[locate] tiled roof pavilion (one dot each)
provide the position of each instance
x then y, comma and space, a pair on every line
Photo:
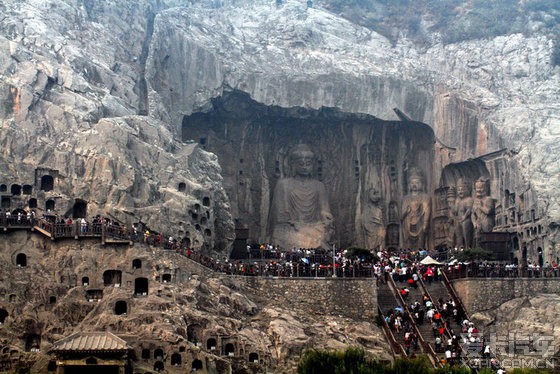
90, 341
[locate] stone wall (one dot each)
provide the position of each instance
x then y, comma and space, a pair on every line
349, 298
482, 294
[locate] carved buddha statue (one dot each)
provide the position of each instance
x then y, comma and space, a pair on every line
416, 212
300, 214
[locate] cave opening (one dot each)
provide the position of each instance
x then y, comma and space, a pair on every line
27, 189
47, 183
166, 278
21, 260
94, 295
196, 365
121, 307
254, 357
158, 354
112, 278
15, 189
145, 355
194, 333
211, 344
176, 359
79, 210
49, 205
32, 343
182, 187
3, 315
158, 366
6, 203
229, 349
3, 188
141, 287
136, 264
32, 203
85, 281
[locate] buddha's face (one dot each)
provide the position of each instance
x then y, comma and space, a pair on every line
416, 185
303, 166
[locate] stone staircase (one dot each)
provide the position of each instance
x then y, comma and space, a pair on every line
387, 301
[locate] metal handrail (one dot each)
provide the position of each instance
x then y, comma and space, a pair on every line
426, 347
397, 347
454, 295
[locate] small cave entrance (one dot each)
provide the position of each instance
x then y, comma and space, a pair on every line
158, 366
141, 287
145, 355
21, 260
112, 278
79, 210
32, 203
3, 188
229, 349
32, 343
52, 299
182, 187
49, 205
194, 333
47, 183
121, 307
27, 189
206, 201
15, 190
176, 359
85, 281
94, 295
136, 264
253, 357
6, 203
166, 278
211, 344
158, 354
196, 365
3, 315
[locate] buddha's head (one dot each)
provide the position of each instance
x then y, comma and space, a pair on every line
302, 158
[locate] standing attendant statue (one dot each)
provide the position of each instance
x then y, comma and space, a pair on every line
464, 228
373, 231
416, 212
300, 213
484, 208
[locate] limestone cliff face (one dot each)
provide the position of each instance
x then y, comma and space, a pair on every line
67, 68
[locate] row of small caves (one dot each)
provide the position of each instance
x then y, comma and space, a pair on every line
216, 344
200, 215
16, 190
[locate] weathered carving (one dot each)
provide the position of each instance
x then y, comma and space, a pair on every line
483, 209
416, 212
462, 211
452, 218
372, 219
300, 214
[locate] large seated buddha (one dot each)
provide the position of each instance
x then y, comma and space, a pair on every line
300, 214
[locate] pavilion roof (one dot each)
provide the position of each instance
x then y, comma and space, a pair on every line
90, 341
